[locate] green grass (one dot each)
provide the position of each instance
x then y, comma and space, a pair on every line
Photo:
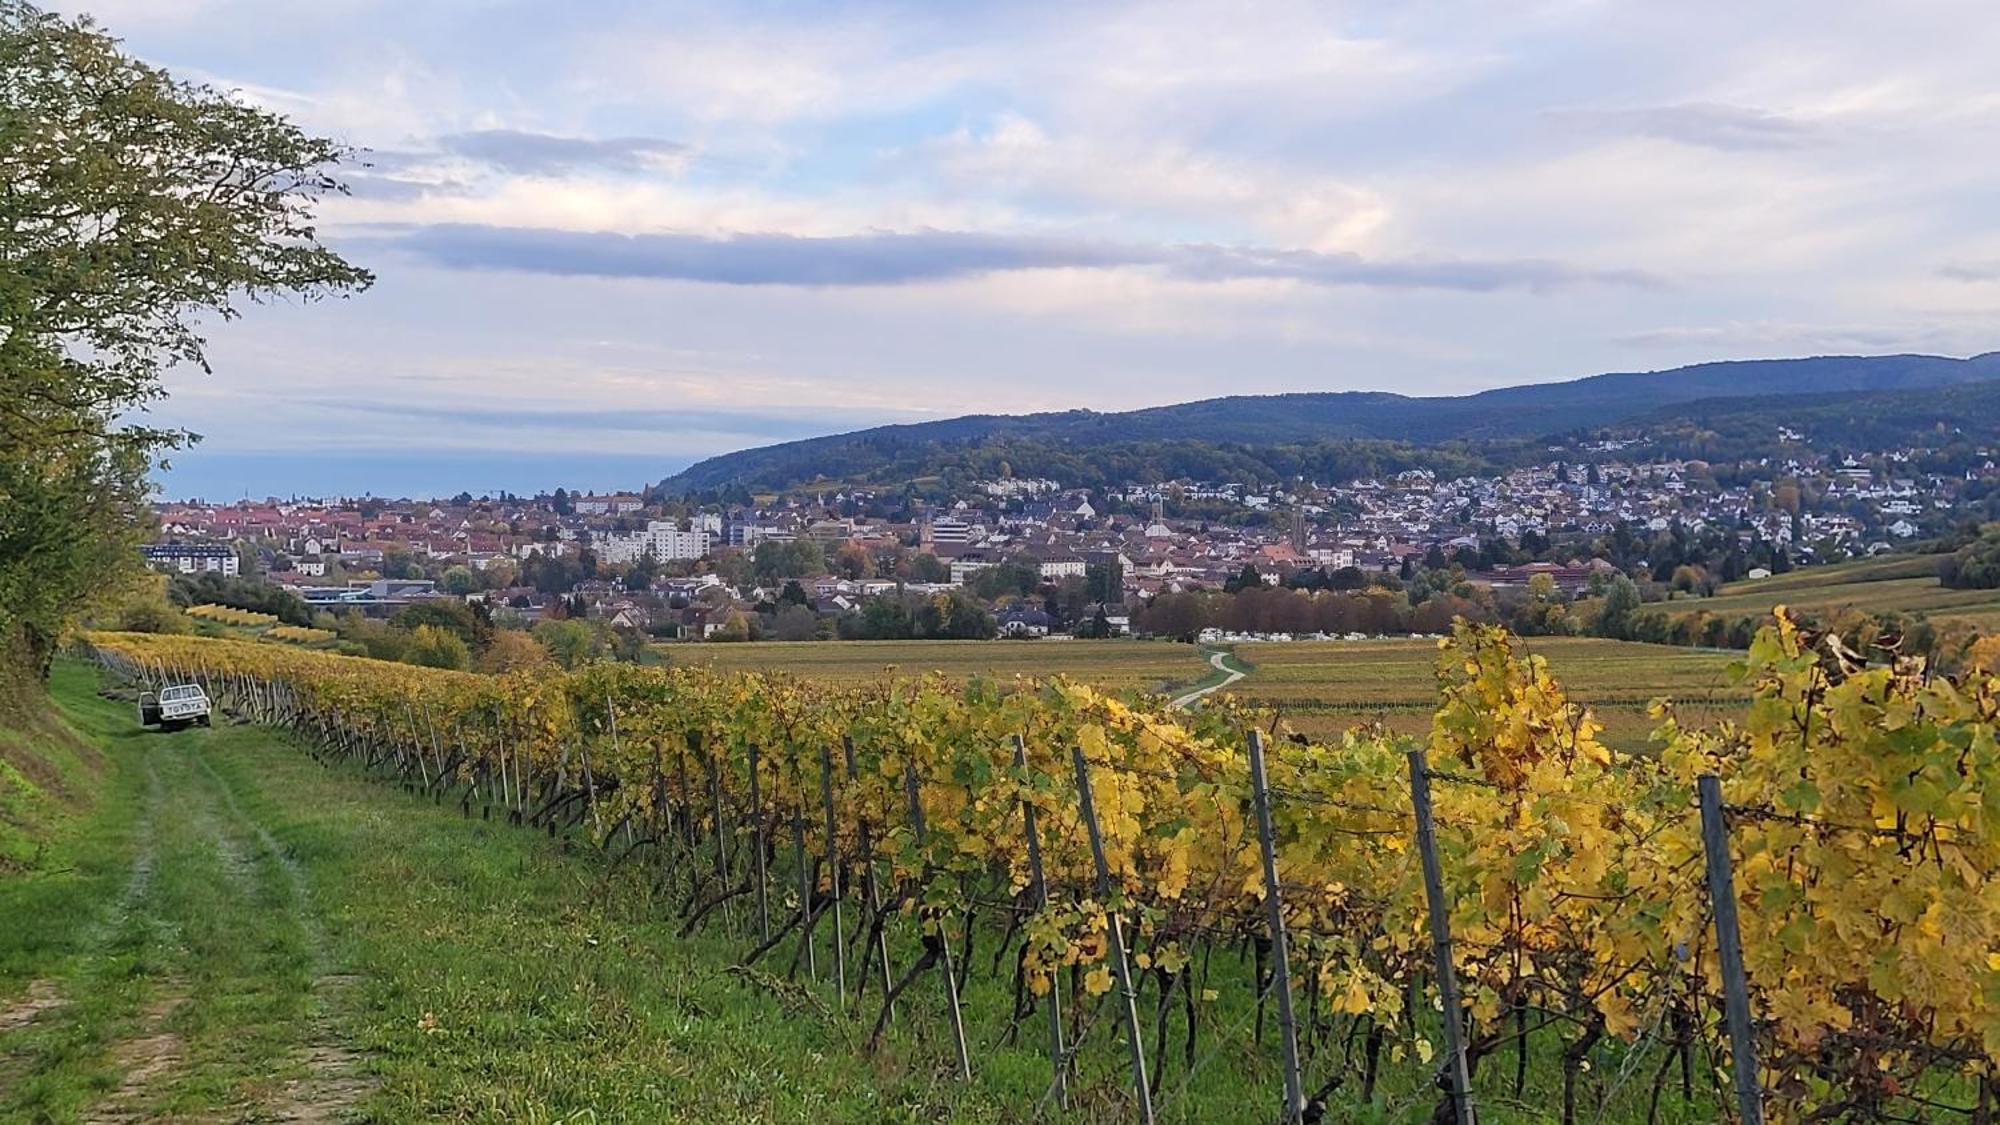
256, 932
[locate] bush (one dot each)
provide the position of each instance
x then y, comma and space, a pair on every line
435, 647
1975, 566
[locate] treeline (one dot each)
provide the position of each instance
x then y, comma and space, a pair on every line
949, 468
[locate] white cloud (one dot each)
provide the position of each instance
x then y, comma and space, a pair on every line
1807, 177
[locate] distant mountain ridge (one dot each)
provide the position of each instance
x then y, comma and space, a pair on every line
1506, 413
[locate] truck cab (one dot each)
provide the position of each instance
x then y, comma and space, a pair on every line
174, 707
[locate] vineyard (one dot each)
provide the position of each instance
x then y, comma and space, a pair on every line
262, 625
1322, 687
1123, 664
1903, 584
1509, 920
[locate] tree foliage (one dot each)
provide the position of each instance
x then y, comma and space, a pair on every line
132, 207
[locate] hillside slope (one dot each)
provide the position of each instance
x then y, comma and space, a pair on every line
1505, 413
1830, 421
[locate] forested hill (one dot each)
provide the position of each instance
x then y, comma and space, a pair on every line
1731, 428
1377, 422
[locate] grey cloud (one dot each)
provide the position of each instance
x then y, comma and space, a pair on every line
1730, 128
897, 258
513, 150
666, 419
1775, 337
399, 189
1970, 271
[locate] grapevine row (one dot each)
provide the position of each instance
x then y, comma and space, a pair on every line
823, 820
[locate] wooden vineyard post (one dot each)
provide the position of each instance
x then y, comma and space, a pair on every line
500, 753
1129, 998
1458, 1079
805, 884
1729, 950
422, 764
617, 752
1039, 886
871, 894
943, 934
698, 742
1281, 971
757, 831
833, 873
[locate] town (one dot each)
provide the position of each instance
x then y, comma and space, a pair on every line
1029, 558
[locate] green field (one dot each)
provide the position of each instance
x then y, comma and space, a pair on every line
1320, 686
1894, 583
1118, 664
1323, 686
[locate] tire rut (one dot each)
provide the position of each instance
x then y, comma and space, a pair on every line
142, 1062
333, 1084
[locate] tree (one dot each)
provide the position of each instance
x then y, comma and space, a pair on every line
458, 618
1245, 579
927, 567
459, 581
435, 647
512, 651
1973, 566
1621, 601
570, 642
135, 206
853, 561
1106, 582
794, 623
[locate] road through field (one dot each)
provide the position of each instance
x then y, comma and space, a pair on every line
1218, 660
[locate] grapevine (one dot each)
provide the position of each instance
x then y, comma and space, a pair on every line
818, 820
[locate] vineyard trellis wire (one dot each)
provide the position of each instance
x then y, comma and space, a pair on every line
1571, 886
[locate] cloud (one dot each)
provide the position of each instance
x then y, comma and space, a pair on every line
1729, 128
541, 154
883, 258
761, 425
1970, 271
1781, 338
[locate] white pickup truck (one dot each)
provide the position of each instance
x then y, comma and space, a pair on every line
176, 706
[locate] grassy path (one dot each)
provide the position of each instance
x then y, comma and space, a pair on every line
235, 933
1228, 669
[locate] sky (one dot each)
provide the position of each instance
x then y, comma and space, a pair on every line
615, 236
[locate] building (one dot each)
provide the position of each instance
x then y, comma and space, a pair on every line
747, 534
950, 532
192, 558
1024, 622
967, 565
1056, 565
617, 505
665, 541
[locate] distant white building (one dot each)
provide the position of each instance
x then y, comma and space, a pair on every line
951, 532
607, 505
193, 558
665, 541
